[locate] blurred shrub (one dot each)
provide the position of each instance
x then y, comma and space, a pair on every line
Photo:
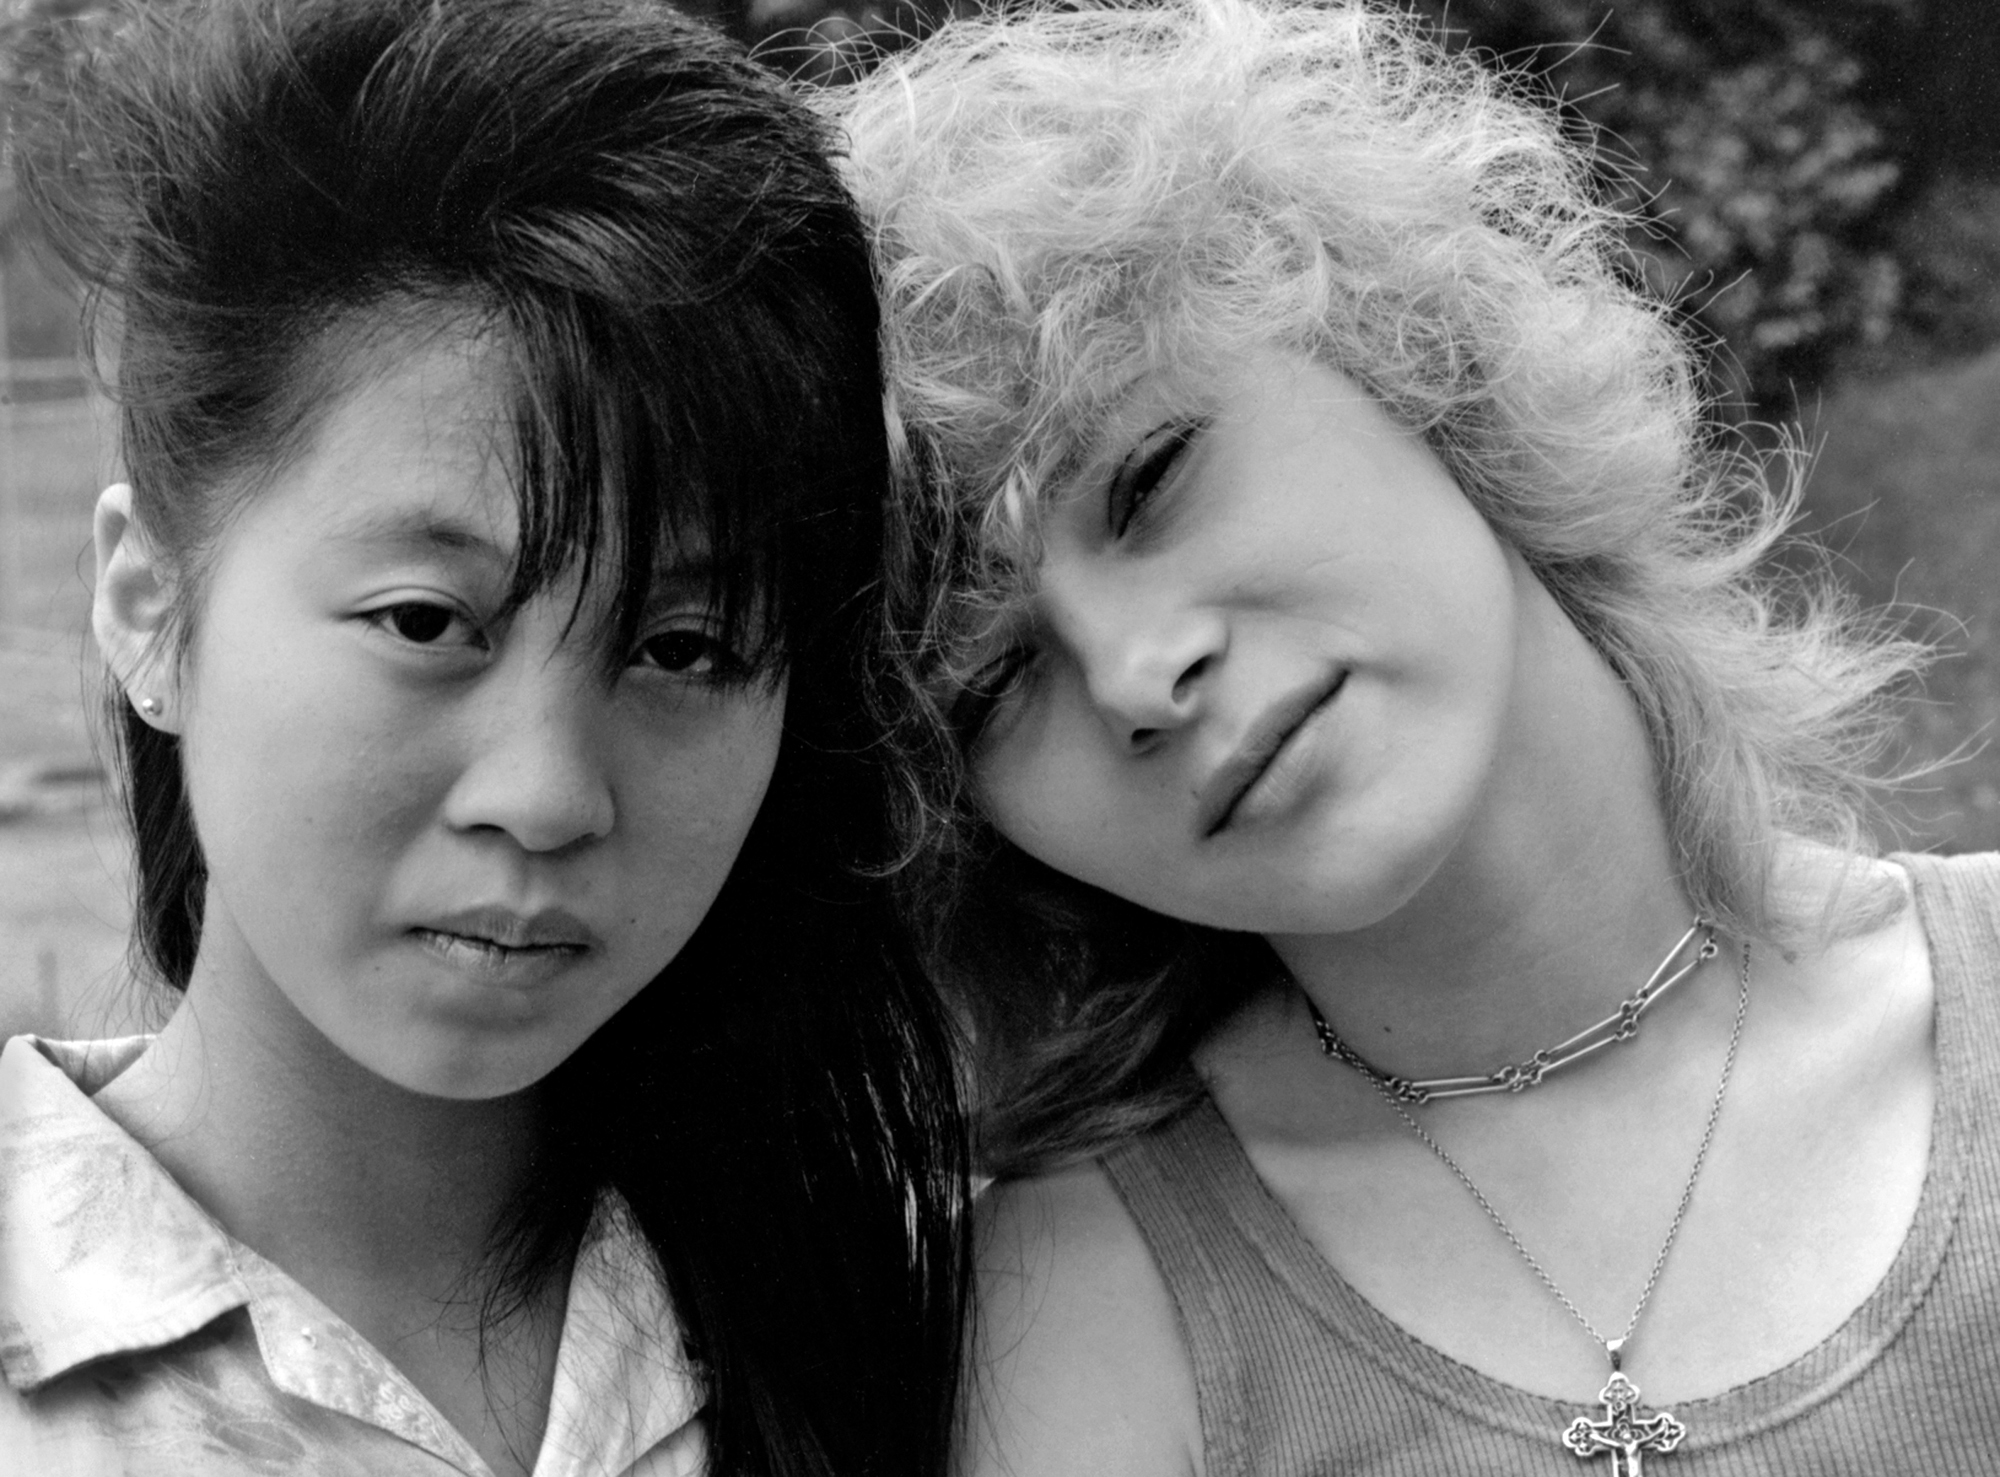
1769, 181
1947, 246
821, 42
1756, 142
1762, 140
1766, 158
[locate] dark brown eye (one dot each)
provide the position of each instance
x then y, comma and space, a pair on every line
421, 624
688, 653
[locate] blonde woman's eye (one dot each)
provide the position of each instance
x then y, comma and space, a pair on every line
989, 690
1141, 474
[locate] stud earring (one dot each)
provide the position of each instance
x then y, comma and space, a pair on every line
150, 706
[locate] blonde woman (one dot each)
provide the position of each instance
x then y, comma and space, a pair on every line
1397, 834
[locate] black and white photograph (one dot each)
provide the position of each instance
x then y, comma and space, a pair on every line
999, 738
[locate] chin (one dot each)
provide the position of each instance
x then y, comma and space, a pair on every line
458, 1074
1355, 885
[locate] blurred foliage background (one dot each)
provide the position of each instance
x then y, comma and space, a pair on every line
1820, 186
1822, 177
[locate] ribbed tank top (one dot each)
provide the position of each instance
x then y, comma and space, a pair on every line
1297, 1374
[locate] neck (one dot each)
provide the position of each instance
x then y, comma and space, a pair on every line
371, 1196
1557, 902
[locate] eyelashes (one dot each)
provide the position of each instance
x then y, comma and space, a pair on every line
982, 695
1146, 469
695, 653
687, 649
427, 623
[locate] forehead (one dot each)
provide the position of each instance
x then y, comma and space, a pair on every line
1107, 407
1072, 451
420, 440
1053, 470
422, 450
410, 473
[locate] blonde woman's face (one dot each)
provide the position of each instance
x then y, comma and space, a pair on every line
1267, 672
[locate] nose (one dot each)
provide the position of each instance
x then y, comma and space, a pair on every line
1144, 656
537, 771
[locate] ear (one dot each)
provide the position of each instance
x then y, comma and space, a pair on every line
130, 608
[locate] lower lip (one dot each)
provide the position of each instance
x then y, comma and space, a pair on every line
492, 963
1290, 775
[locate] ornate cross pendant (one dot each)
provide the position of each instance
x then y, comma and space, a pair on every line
1626, 1432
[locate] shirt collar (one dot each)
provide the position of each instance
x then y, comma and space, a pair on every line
102, 1253
622, 1383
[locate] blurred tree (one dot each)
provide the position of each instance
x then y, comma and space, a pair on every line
1765, 153
37, 318
832, 41
1950, 75
1755, 136
1821, 176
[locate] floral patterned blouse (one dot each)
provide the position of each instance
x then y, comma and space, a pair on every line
138, 1339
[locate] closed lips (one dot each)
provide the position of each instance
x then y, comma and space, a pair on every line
1267, 738
497, 928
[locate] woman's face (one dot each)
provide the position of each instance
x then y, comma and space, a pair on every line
440, 833
1266, 673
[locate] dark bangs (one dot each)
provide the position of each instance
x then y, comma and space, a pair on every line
628, 200
688, 444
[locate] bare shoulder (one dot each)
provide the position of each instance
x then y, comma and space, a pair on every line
1078, 1361
1860, 1007
1884, 965
1873, 952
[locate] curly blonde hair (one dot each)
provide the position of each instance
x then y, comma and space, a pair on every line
1066, 199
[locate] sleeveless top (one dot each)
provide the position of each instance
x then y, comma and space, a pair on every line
1297, 1374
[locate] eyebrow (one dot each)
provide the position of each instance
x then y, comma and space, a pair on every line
675, 582
420, 529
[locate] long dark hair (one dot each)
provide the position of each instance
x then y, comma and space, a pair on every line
251, 193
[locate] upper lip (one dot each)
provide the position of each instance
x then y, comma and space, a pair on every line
1242, 769
511, 928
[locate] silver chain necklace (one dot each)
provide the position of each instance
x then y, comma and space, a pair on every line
1621, 1025
1626, 1431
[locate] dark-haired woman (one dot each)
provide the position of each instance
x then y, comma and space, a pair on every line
484, 611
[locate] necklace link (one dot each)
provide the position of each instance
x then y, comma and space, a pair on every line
1621, 1025
1680, 1210
1627, 1430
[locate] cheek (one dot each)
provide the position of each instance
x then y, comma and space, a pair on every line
724, 784
280, 764
698, 800
1046, 790
1010, 780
